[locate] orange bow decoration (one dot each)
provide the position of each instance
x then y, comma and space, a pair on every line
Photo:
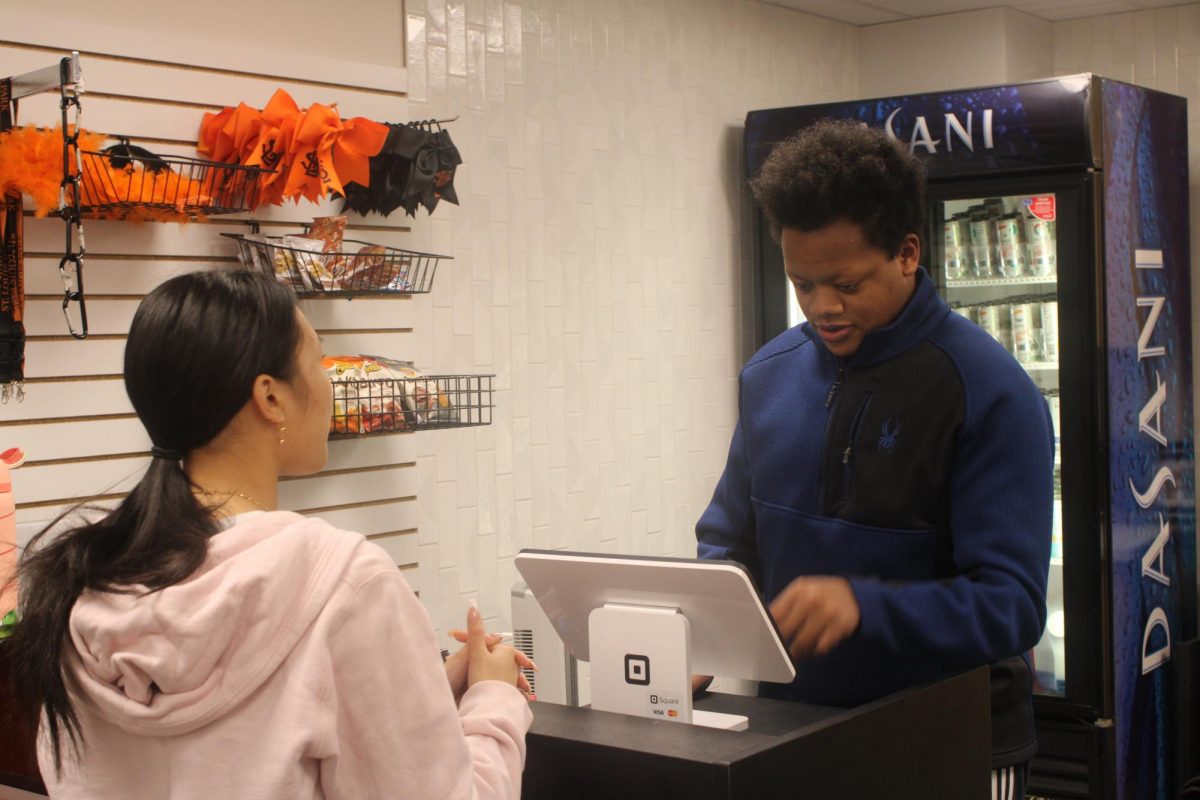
313, 151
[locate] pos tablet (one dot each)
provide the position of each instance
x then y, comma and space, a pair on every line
647, 623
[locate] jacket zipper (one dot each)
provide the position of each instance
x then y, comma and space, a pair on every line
833, 390
848, 453
826, 443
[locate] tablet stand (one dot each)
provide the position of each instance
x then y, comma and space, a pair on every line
641, 665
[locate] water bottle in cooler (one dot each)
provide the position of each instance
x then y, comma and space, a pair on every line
1043, 248
1048, 331
1010, 238
957, 241
1021, 323
983, 246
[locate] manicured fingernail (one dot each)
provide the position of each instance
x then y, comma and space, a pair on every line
473, 603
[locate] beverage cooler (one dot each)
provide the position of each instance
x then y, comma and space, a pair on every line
1058, 223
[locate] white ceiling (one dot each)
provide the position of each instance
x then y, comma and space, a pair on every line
873, 12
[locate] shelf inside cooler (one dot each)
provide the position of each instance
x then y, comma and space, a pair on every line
1025, 280
1041, 365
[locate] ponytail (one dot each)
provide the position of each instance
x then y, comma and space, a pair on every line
155, 538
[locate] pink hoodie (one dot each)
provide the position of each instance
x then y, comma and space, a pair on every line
295, 663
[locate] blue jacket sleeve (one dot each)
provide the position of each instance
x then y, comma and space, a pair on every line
1001, 506
726, 529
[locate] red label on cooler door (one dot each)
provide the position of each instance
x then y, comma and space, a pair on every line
1041, 206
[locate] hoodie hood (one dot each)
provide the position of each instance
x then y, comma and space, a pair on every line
170, 661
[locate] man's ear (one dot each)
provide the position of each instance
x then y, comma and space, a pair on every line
265, 397
909, 254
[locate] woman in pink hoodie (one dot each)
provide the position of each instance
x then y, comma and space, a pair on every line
198, 643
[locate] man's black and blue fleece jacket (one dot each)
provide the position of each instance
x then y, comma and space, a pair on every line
921, 469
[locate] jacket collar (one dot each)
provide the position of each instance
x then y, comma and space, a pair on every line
923, 312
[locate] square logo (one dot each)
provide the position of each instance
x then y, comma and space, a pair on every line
637, 669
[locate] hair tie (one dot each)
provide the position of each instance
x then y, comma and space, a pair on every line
166, 453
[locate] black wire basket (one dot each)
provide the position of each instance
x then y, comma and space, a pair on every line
167, 187
355, 268
401, 405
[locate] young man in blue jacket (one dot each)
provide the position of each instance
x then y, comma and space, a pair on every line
890, 478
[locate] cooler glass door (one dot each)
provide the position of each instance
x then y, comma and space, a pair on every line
1001, 260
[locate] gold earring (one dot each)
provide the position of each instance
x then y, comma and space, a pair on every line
281, 430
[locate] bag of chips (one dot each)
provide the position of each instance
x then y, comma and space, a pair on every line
423, 400
366, 396
330, 230
301, 262
373, 268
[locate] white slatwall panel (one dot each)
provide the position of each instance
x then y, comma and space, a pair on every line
304, 67
76, 424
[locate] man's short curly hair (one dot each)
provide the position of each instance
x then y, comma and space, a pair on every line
843, 170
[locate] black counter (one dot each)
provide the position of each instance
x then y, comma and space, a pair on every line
929, 742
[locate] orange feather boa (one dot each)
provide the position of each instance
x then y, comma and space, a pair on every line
31, 163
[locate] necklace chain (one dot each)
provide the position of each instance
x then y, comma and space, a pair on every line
242, 495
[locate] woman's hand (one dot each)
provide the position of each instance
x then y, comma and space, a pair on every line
458, 664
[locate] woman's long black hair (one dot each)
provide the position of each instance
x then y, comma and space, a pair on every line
196, 345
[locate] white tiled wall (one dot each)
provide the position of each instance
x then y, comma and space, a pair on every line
598, 266
1159, 49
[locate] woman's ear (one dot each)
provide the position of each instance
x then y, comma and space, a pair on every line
266, 399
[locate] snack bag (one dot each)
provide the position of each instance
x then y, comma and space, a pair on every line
252, 253
367, 269
303, 260
423, 401
365, 396
330, 230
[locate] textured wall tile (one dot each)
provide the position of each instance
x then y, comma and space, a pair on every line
539, 461
495, 584
476, 74
1189, 87
524, 528
427, 561
452, 601
506, 511
1189, 30
456, 37
449, 532
1144, 41
468, 550
418, 57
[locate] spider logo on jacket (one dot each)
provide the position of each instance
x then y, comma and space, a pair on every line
888, 438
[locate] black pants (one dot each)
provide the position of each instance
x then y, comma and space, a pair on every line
1008, 783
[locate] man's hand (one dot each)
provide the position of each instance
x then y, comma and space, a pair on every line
814, 613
